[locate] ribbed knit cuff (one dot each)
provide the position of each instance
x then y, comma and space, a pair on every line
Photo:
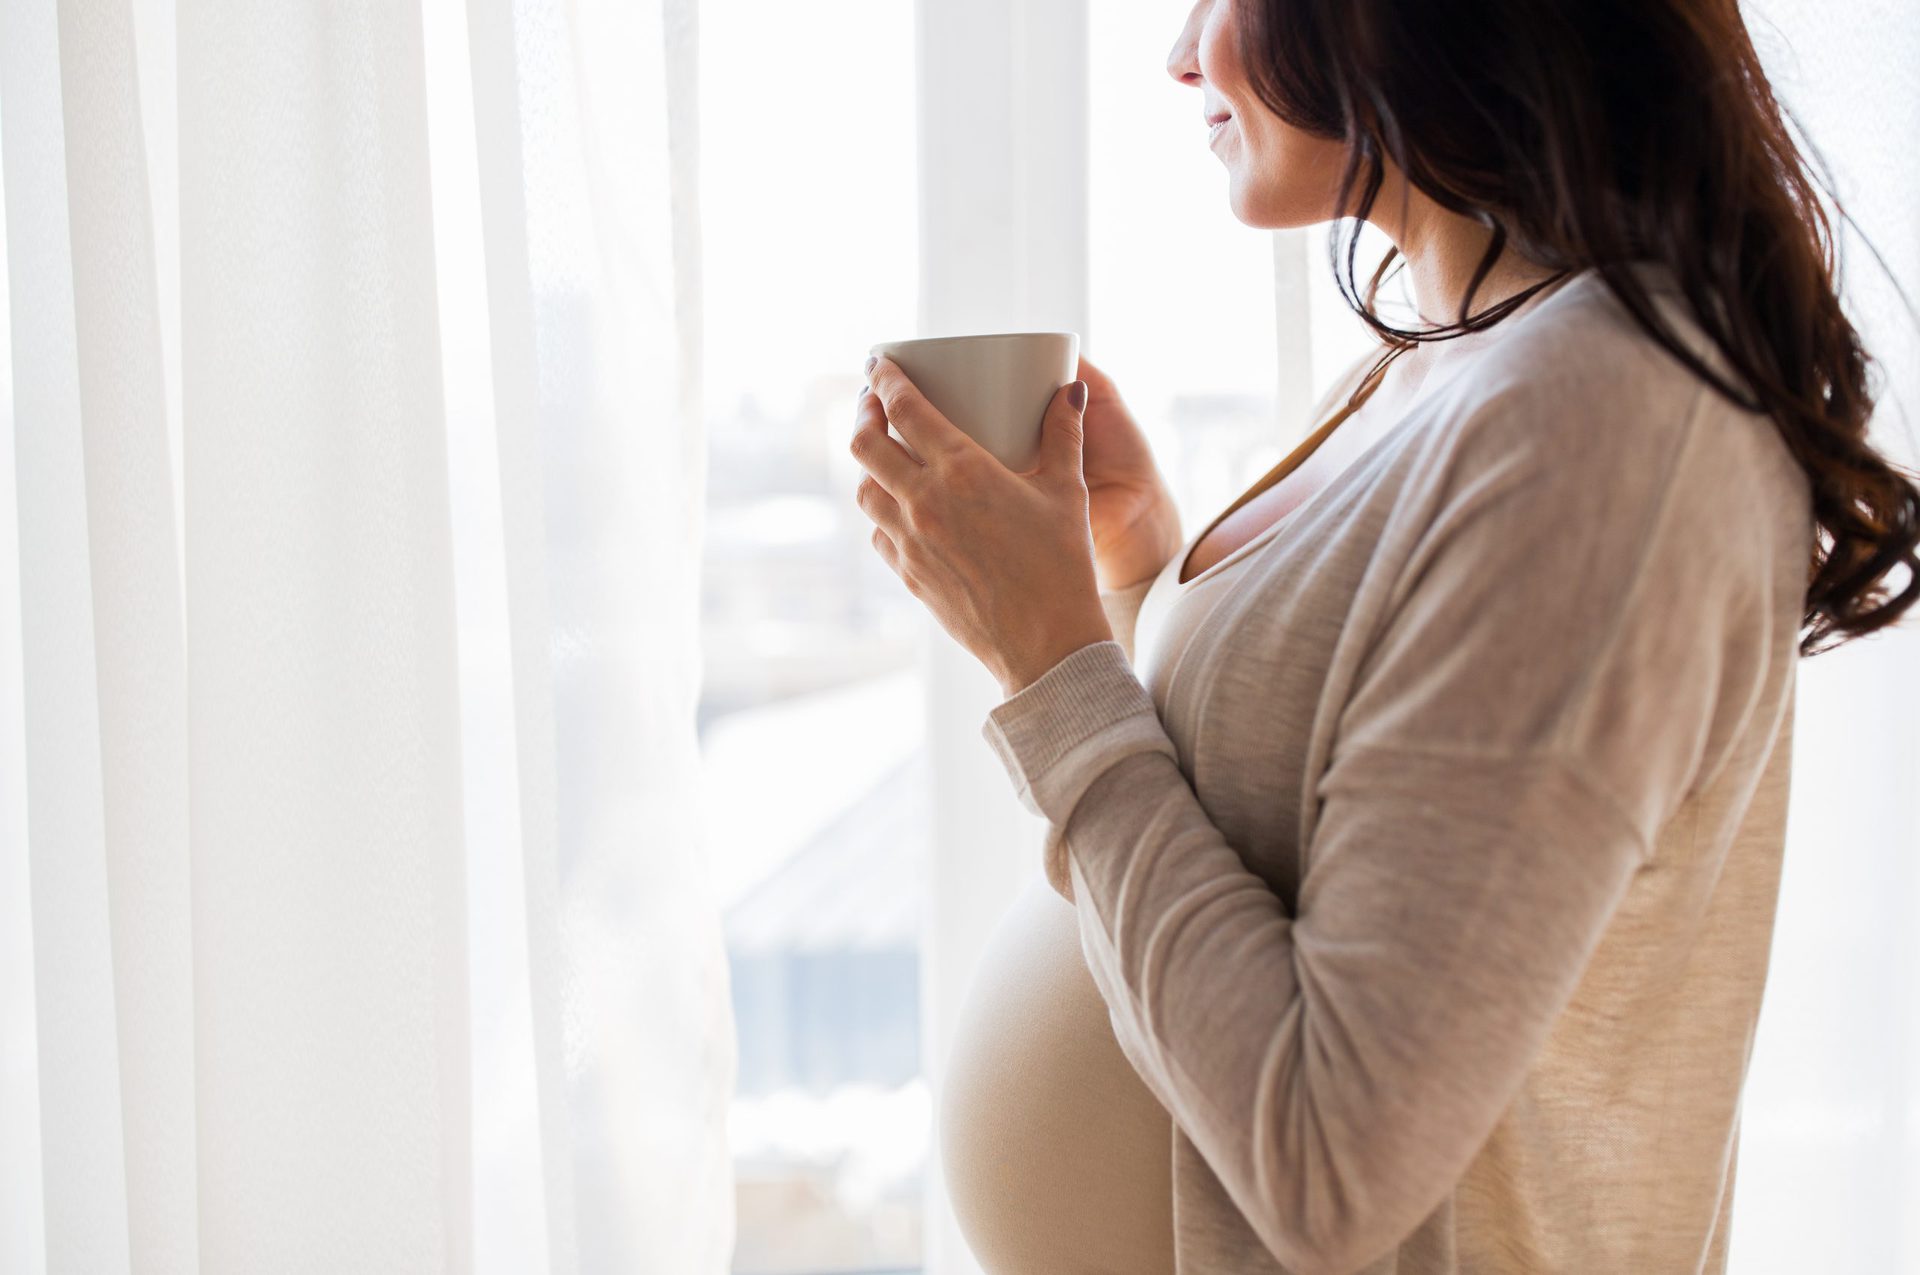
1058, 734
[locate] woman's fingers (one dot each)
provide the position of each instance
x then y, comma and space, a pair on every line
882, 508
890, 554
884, 459
918, 421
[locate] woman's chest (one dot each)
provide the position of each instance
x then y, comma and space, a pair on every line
1260, 513
1248, 667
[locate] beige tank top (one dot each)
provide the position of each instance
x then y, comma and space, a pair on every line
1058, 1160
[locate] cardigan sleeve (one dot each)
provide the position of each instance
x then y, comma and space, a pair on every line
1065, 737
1338, 1063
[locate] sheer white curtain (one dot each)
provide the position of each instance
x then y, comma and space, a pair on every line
351, 903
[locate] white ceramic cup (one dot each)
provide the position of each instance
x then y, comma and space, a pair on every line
994, 386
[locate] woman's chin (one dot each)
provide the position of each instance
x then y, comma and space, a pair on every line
1245, 208
1264, 208
1251, 210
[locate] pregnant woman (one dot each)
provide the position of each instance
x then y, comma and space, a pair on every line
1414, 831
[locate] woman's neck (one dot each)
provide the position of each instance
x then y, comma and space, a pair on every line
1443, 250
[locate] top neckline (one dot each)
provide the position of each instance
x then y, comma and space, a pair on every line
1286, 465
1307, 446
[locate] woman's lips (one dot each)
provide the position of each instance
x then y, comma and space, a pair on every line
1213, 134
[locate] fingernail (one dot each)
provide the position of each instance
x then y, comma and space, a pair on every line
871, 362
1078, 395
862, 394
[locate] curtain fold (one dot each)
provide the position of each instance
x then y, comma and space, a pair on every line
84, 1176
326, 836
587, 186
495, 75
139, 639
246, 962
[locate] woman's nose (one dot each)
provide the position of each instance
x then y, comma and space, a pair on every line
1183, 63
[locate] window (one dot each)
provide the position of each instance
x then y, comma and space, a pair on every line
1219, 335
812, 690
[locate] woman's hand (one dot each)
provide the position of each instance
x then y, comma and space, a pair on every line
1003, 560
1136, 527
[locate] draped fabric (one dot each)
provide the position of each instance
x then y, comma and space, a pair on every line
352, 908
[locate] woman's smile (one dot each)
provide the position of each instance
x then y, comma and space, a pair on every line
1217, 121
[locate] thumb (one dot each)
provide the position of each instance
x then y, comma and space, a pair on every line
1062, 429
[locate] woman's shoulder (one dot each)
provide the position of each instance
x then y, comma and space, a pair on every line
1584, 356
1582, 388
1588, 525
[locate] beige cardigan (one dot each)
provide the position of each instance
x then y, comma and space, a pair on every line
1433, 897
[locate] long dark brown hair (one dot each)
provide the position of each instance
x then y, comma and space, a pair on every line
1598, 134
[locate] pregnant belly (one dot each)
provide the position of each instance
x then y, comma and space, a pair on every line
1057, 1157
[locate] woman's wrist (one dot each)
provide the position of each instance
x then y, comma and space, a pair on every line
1125, 577
1133, 566
1149, 544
